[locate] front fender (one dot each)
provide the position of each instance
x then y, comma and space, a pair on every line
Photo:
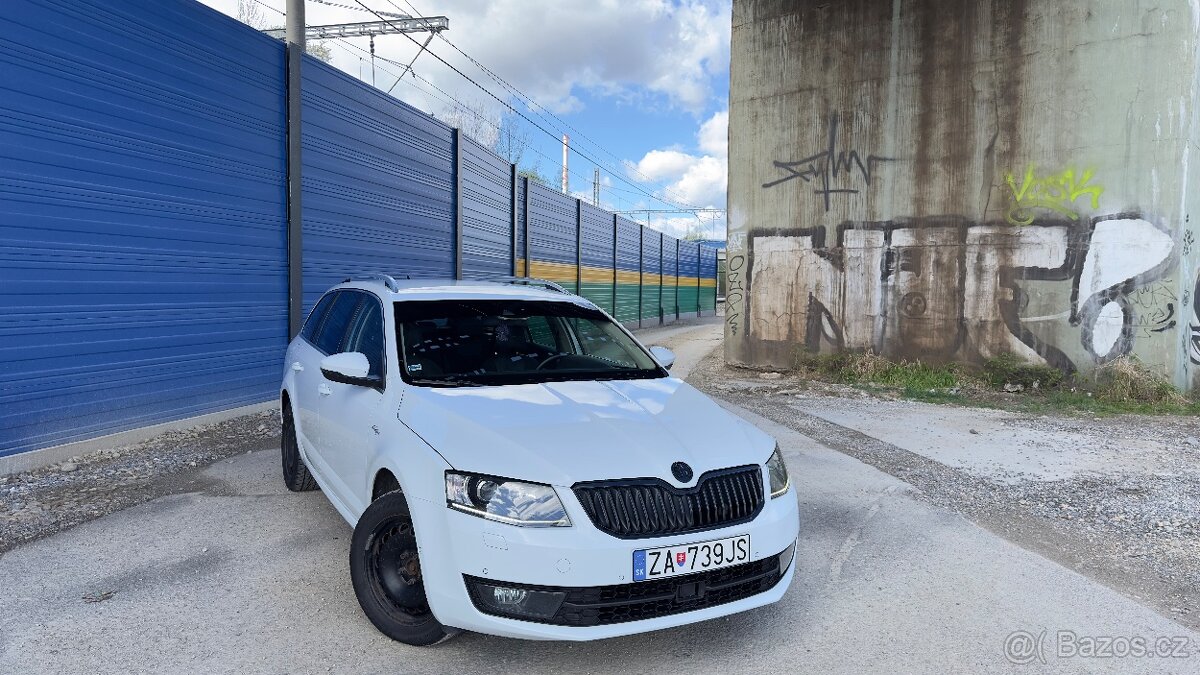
416, 465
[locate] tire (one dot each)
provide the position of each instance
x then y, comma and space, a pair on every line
296, 476
386, 573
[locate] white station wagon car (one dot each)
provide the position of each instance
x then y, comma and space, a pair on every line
514, 462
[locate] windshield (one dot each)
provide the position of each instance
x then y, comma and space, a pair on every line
490, 342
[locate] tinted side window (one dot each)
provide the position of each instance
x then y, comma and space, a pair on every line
366, 335
337, 319
314, 318
540, 332
597, 340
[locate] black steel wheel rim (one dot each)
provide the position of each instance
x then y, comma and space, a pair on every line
394, 570
291, 456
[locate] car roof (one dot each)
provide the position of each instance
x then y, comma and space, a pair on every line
460, 289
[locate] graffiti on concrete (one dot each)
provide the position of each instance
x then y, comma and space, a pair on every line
735, 291
1195, 337
1119, 252
831, 168
1055, 192
949, 289
1155, 309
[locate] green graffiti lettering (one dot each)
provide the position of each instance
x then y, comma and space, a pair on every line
1055, 192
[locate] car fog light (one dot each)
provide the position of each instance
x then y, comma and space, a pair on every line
785, 558
518, 603
509, 596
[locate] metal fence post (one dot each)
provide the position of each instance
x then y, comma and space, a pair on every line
295, 223
579, 246
512, 203
458, 223
641, 271
614, 266
525, 199
660, 277
676, 279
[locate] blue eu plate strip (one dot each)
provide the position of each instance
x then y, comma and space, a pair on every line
639, 565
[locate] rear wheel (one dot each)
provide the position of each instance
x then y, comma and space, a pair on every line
296, 476
385, 569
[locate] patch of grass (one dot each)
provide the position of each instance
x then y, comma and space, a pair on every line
868, 367
1126, 380
1119, 387
1081, 402
1007, 369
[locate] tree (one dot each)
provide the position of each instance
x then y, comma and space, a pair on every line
475, 120
511, 140
249, 12
502, 134
534, 175
320, 50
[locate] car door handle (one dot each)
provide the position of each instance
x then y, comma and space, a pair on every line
297, 367
324, 390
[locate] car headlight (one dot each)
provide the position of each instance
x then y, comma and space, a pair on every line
777, 470
506, 501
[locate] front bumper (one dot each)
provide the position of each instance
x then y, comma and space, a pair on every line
581, 558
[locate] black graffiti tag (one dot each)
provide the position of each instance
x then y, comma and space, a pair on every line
828, 165
1195, 337
735, 293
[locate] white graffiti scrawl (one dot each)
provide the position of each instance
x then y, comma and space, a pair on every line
1120, 250
1195, 337
946, 288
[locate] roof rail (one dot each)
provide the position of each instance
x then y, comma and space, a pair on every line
376, 276
530, 281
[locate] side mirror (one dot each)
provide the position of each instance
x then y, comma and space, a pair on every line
348, 368
664, 356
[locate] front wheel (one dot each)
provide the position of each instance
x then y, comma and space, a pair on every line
296, 476
386, 572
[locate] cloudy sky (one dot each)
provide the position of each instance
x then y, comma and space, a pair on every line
640, 85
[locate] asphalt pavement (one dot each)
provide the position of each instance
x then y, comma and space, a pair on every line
237, 575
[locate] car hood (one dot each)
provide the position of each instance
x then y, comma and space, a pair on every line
561, 433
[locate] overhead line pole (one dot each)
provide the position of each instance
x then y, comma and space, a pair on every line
294, 29
566, 147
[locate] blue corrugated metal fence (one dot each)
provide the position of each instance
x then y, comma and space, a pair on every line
143, 209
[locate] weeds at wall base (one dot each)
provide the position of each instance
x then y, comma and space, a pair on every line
1121, 386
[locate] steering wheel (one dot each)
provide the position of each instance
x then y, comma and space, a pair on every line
551, 358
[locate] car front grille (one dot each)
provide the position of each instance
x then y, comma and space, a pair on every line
603, 605
650, 507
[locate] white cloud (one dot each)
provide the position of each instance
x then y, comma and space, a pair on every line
698, 179
658, 165
553, 49
703, 184
680, 227
714, 135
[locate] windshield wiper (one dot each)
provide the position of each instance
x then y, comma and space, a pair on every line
446, 382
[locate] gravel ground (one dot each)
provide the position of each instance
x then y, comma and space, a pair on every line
1135, 526
38, 503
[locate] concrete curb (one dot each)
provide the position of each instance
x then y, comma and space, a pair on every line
36, 459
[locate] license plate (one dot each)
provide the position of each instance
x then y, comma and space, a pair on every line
673, 561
